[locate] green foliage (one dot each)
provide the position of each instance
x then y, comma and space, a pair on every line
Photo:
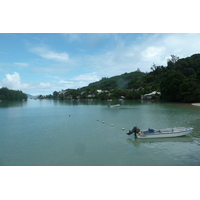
181, 80
6, 94
190, 90
170, 86
55, 94
40, 97
124, 81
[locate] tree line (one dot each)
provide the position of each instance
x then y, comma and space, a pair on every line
7, 94
178, 81
126, 86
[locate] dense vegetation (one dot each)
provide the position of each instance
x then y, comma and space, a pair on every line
124, 81
179, 81
6, 94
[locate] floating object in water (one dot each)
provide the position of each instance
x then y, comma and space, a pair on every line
122, 129
97, 120
112, 125
113, 106
103, 122
160, 133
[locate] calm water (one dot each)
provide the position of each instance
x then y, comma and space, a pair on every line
71, 133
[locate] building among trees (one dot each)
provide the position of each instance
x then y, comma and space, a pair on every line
151, 96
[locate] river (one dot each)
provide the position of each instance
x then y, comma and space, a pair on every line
89, 133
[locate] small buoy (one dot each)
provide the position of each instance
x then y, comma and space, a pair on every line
102, 121
97, 120
122, 129
112, 125
69, 115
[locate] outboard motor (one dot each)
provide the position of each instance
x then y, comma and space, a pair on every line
135, 130
129, 132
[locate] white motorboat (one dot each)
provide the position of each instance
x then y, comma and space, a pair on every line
161, 133
113, 106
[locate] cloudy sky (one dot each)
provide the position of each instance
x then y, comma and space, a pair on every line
42, 63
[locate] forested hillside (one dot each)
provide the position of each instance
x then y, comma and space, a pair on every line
179, 81
6, 94
124, 81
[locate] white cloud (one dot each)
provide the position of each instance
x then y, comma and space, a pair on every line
22, 64
45, 52
44, 85
183, 45
78, 81
143, 52
87, 77
152, 52
13, 81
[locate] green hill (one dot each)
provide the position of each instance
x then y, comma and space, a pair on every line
124, 81
179, 81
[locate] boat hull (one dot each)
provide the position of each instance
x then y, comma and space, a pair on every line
113, 106
165, 133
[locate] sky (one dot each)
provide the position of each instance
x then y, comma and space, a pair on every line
41, 63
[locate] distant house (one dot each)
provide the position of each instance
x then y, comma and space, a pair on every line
91, 95
140, 88
69, 97
122, 98
99, 91
150, 96
62, 92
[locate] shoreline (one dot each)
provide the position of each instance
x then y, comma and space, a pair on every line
195, 104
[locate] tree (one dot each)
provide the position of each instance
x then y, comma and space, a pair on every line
7, 94
40, 97
173, 59
153, 68
189, 72
55, 94
170, 86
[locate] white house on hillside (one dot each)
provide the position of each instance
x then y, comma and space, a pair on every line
150, 96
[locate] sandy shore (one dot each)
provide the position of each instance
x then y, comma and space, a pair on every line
196, 104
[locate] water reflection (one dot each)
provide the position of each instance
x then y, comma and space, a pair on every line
137, 142
78, 102
7, 104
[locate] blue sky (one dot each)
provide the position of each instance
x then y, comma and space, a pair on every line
41, 63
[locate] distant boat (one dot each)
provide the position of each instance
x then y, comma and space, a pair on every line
112, 106
161, 133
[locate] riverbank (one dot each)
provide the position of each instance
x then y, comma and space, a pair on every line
196, 104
